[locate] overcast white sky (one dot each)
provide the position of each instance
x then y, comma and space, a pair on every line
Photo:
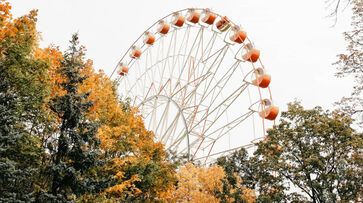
296, 41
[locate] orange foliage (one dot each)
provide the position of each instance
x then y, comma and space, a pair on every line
131, 145
201, 184
198, 184
125, 139
124, 188
16, 30
123, 135
5, 14
103, 95
22, 32
53, 57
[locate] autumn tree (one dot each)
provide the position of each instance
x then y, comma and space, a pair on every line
135, 166
136, 162
351, 64
22, 90
73, 149
127, 148
315, 151
206, 184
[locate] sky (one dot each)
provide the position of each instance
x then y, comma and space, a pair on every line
297, 41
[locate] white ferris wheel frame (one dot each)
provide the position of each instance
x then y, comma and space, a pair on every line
185, 113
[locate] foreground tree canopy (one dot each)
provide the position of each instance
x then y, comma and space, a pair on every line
65, 136
64, 133
314, 152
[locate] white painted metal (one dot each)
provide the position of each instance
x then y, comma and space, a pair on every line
191, 88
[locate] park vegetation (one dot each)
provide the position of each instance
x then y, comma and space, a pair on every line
66, 136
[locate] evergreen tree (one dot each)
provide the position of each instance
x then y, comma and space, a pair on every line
74, 151
19, 150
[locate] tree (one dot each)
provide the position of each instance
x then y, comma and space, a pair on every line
136, 162
21, 94
334, 7
351, 64
240, 163
237, 166
135, 166
317, 152
74, 148
64, 133
208, 184
254, 175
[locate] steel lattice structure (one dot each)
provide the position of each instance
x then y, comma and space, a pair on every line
198, 80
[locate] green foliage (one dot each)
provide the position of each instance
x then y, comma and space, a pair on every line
236, 163
21, 94
76, 150
239, 162
313, 151
316, 151
19, 151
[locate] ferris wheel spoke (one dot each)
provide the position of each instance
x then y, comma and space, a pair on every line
163, 118
226, 105
149, 106
185, 40
165, 62
174, 37
199, 149
128, 86
231, 98
217, 89
185, 61
172, 131
149, 60
153, 114
229, 126
192, 96
197, 81
209, 76
218, 86
162, 88
215, 65
185, 44
149, 69
172, 128
208, 48
160, 68
193, 83
194, 67
199, 46
225, 78
200, 139
207, 52
179, 138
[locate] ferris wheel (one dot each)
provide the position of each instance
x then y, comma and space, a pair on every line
200, 84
